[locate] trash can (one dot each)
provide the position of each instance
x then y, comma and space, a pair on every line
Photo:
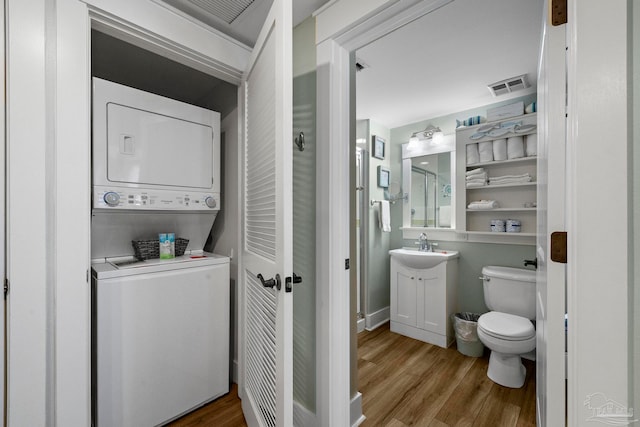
465, 326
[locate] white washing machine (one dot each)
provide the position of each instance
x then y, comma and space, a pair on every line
157, 327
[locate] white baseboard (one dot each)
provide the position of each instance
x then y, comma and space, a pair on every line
361, 323
302, 417
377, 318
356, 410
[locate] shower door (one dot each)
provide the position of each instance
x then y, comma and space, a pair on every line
424, 193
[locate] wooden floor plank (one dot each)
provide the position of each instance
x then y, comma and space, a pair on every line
405, 382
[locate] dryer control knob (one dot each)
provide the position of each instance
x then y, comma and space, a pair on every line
210, 202
111, 198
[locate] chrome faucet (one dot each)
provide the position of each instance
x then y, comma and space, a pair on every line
423, 243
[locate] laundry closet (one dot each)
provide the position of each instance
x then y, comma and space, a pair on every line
160, 318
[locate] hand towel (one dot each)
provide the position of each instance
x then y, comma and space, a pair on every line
482, 180
506, 177
384, 216
515, 147
500, 149
486, 151
531, 142
445, 216
473, 155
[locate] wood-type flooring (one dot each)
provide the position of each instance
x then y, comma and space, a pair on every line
405, 382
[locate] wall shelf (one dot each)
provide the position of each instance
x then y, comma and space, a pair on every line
503, 210
476, 223
503, 162
495, 187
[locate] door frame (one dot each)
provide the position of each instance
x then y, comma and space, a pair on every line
342, 27
598, 278
49, 374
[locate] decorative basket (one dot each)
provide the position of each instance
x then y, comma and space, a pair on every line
150, 249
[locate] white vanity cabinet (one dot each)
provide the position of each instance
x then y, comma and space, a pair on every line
423, 300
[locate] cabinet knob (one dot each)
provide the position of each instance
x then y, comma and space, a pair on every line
412, 278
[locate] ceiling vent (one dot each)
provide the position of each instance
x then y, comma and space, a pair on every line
226, 10
509, 85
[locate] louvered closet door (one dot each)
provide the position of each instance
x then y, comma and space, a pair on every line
266, 342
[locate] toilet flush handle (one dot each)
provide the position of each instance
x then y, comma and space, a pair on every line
488, 279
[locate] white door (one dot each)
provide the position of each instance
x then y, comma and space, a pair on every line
550, 343
266, 379
598, 226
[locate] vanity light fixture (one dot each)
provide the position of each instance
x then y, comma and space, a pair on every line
430, 132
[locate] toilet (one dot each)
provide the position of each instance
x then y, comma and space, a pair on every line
507, 329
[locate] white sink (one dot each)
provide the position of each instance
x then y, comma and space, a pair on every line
413, 258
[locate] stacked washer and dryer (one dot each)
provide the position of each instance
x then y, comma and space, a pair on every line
160, 327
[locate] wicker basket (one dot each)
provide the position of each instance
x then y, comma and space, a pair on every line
150, 249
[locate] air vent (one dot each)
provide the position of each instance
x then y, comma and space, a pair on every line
227, 10
509, 85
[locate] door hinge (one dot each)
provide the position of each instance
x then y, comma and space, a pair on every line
6, 287
559, 246
558, 12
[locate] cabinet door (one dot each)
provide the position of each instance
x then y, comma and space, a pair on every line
406, 301
431, 293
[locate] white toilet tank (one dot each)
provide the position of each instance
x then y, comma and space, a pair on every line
510, 290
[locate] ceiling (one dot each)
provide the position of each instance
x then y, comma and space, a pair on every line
436, 65
240, 19
442, 63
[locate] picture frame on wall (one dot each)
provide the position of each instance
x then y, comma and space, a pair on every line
383, 177
378, 147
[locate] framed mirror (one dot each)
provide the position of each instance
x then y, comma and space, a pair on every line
428, 175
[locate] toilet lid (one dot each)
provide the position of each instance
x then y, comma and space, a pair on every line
506, 325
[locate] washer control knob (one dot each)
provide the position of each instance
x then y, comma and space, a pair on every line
111, 198
210, 202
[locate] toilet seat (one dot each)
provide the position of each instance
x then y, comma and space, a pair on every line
508, 327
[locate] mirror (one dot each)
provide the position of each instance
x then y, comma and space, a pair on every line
428, 173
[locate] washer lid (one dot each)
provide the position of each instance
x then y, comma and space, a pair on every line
507, 326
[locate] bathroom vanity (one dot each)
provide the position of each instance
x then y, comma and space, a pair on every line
424, 294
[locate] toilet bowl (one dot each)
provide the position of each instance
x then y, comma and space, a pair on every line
507, 330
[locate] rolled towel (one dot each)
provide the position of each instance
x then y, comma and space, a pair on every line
500, 149
475, 172
486, 151
473, 156
531, 142
484, 204
515, 147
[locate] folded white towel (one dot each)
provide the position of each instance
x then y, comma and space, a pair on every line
515, 147
531, 142
476, 184
484, 204
486, 151
503, 177
482, 180
482, 176
473, 156
510, 181
500, 149
384, 216
475, 171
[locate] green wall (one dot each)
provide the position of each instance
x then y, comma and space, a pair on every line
473, 256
